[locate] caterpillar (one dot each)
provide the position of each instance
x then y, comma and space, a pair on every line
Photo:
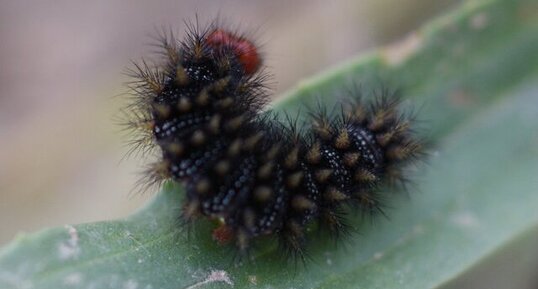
202, 107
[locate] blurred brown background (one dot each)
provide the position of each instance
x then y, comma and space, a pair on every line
61, 65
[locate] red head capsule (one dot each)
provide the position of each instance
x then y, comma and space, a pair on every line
246, 52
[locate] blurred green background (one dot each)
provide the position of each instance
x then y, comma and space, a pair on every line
61, 66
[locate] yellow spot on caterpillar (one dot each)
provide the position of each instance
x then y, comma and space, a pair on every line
273, 151
226, 102
235, 122
322, 129
358, 113
202, 187
221, 84
148, 125
351, 159
301, 203
313, 155
175, 148
235, 147
222, 167
198, 137
342, 140
381, 118
252, 141
184, 104
203, 98
334, 195
295, 179
363, 175
163, 111
198, 51
161, 169
323, 175
265, 171
403, 151
384, 139
291, 159
262, 193
182, 78
214, 123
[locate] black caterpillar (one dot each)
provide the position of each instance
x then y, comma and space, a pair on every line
202, 106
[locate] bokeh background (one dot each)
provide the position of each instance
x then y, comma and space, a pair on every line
61, 65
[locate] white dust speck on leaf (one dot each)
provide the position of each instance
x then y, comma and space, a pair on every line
479, 21
253, 279
328, 259
130, 284
137, 243
418, 229
69, 249
378, 255
17, 280
465, 219
214, 276
73, 279
397, 53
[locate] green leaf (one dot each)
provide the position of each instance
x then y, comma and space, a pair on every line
473, 71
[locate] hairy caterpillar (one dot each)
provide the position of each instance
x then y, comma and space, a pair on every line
202, 107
